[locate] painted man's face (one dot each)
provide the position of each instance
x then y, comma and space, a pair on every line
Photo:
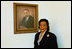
26, 13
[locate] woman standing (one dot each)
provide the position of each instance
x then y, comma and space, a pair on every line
44, 38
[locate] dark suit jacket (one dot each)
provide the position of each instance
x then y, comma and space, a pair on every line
29, 23
46, 42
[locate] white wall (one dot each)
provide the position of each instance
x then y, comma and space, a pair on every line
58, 14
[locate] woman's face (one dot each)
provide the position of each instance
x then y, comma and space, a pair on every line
43, 26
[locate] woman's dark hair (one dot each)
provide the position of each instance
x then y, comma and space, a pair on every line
45, 20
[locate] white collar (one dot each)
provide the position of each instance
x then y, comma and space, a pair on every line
27, 18
42, 37
43, 34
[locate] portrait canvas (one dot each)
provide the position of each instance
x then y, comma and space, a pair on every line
25, 18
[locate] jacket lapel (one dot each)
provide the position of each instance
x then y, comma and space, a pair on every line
43, 39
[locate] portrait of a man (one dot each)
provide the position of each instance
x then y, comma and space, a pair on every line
25, 18
27, 21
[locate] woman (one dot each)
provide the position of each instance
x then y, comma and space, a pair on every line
44, 38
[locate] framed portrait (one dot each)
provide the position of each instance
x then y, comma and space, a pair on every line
25, 18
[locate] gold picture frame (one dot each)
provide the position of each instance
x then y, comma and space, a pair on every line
25, 18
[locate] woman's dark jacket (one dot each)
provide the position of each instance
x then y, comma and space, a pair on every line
47, 41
